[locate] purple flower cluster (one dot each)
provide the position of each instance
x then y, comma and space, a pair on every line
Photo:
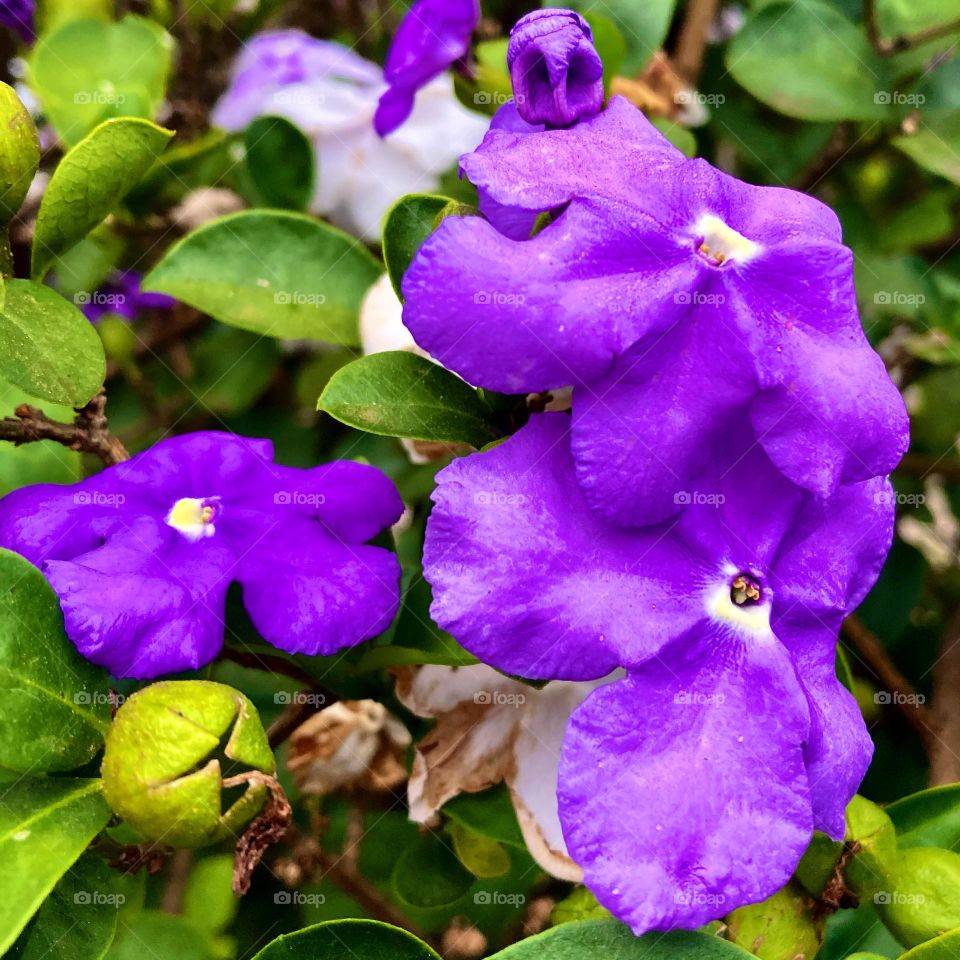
122, 296
19, 16
142, 554
711, 509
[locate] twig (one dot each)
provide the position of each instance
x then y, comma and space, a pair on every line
945, 750
89, 432
269, 828
905, 696
692, 42
918, 465
181, 863
888, 46
825, 160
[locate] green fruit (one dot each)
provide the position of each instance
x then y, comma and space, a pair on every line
779, 928
921, 900
162, 765
19, 153
872, 830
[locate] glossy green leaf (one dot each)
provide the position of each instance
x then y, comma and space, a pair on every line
54, 705
356, 939
407, 224
614, 941
153, 935
19, 153
87, 71
400, 394
78, 921
428, 874
807, 60
90, 181
278, 274
930, 818
48, 347
935, 145
44, 827
280, 163
944, 947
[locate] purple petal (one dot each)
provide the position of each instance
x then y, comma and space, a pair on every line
307, 592
679, 795
147, 602
547, 312
530, 580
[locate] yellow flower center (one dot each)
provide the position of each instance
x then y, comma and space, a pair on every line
193, 517
721, 242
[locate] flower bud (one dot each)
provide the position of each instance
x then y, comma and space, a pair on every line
920, 900
556, 71
19, 153
165, 756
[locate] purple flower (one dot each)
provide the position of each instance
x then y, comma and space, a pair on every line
691, 786
556, 71
684, 306
122, 296
18, 15
433, 35
141, 555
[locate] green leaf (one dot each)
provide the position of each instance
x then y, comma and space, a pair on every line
483, 857
930, 818
48, 347
278, 274
580, 905
357, 939
280, 163
944, 947
88, 71
807, 60
78, 921
490, 813
407, 224
935, 145
610, 45
19, 153
614, 941
54, 705
44, 827
400, 394
90, 181
428, 874
208, 900
679, 136
643, 25
158, 936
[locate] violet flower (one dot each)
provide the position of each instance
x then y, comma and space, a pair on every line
19, 16
726, 620
432, 36
683, 305
557, 73
121, 295
141, 554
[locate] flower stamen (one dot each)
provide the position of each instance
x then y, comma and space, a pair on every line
719, 243
193, 517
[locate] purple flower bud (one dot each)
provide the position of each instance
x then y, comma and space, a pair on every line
18, 15
557, 73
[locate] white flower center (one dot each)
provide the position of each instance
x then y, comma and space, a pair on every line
193, 517
721, 243
741, 603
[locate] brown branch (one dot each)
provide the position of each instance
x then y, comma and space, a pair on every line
903, 694
89, 432
888, 46
181, 863
919, 465
945, 715
692, 42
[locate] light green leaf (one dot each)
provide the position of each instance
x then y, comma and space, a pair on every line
614, 941
208, 899
805, 59
168, 937
90, 181
48, 347
483, 857
280, 162
935, 145
357, 939
944, 947
44, 827
428, 874
580, 905
400, 394
54, 705
275, 273
87, 71
490, 813
930, 818
78, 921
407, 224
